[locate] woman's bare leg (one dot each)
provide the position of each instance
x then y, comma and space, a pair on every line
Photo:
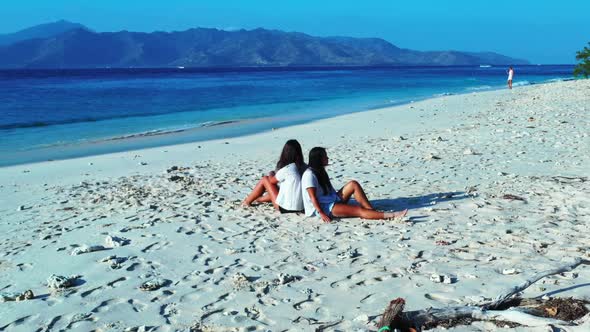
344, 210
264, 199
257, 192
272, 189
353, 188
264, 185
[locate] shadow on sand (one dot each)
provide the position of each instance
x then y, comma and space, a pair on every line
557, 291
418, 202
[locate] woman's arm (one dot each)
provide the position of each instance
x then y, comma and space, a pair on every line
314, 200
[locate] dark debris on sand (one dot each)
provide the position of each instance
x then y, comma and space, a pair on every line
466, 321
567, 309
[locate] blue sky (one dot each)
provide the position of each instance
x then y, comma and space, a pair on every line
541, 31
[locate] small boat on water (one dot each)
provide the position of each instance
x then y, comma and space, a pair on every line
484, 66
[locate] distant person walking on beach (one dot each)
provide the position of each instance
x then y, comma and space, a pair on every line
510, 75
320, 198
283, 188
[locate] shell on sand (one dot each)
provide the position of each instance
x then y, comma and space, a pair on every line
60, 282
86, 249
16, 296
115, 241
154, 284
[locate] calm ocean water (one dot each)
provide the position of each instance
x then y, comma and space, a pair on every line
56, 114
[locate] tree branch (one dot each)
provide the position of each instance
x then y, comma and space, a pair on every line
486, 311
503, 298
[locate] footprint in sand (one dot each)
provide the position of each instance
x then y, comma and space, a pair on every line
136, 305
191, 297
17, 322
115, 282
142, 263
347, 280
52, 323
163, 296
211, 313
24, 266
222, 298
88, 292
210, 260
133, 266
156, 246
186, 231
202, 252
106, 305
368, 299
78, 318
304, 304
194, 275
168, 311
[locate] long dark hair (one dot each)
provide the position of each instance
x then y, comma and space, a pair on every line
292, 153
316, 158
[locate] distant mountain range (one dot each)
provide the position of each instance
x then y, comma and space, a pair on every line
40, 31
70, 45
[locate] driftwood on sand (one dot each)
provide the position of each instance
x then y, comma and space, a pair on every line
506, 307
391, 318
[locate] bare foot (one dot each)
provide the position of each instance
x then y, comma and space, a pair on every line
396, 215
400, 214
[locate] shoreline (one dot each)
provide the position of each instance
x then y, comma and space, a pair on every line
266, 68
450, 160
202, 132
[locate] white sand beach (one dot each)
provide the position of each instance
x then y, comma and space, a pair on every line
172, 216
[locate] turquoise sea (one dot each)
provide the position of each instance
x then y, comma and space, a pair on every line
57, 114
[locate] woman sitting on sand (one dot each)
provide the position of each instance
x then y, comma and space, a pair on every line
286, 197
320, 198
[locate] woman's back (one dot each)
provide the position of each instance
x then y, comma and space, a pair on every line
289, 197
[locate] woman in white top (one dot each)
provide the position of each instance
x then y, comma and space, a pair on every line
320, 198
283, 188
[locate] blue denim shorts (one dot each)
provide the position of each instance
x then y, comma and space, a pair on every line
327, 208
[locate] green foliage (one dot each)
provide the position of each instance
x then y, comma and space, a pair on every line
583, 67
